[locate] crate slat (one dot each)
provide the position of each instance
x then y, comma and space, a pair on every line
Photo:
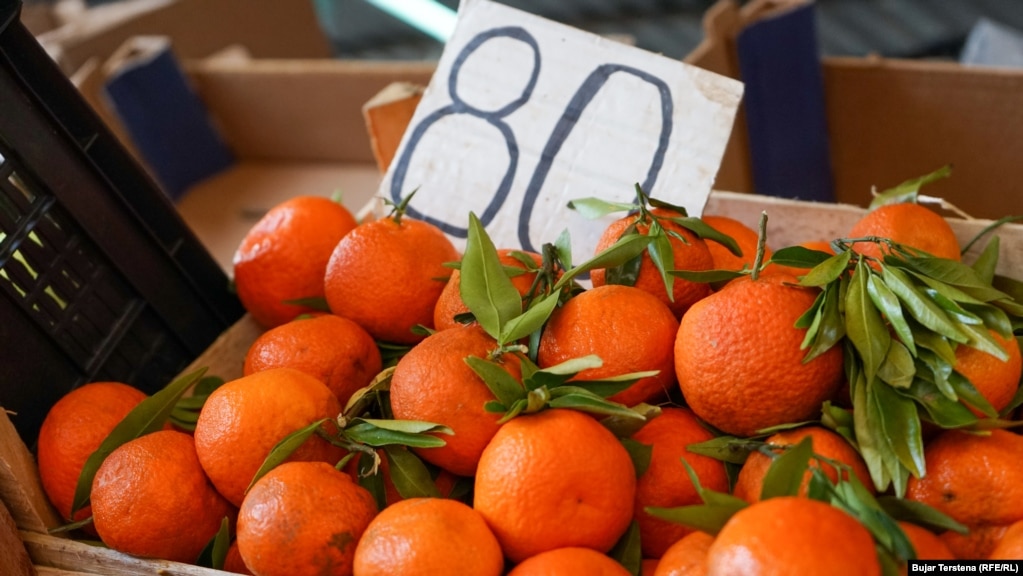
65, 554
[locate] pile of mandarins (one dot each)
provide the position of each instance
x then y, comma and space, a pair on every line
705, 407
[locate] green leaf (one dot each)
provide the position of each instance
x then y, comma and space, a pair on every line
888, 303
907, 191
863, 323
947, 291
956, 312
626, 248
934, 343
563, 248
828, 327
853, 497
993, 317
1016, 402
989, 228
411, 478
709, 517
363, 398
628, 551
573, 366
923, 309
315, 302
148, 416
502, 385
369, 475
658, 203
968, 393
707, 276
594, 208
607, 387
874, 450
531, 320
663, 256
708, 232
828, 270
625, 274
799, 257
379, 433
981, 339
215, 552
986, 264
485, 287
1014, 288
900, 422
204, 387
898, 368
583, 400
811, 318
840, 420
284, 448
955, 274
626, 427
785, 474
639, 453
941, 410
920, 514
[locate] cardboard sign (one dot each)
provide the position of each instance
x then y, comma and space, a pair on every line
524, 115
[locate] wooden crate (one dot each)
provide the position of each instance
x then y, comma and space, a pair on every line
789, 222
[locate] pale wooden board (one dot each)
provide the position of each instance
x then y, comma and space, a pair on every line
225, 357
20, 488
790, 222
79, 557
48, 571
221, 209
14, 560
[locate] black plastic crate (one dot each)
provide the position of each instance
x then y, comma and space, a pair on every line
100, 278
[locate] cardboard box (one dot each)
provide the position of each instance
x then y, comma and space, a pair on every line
891, 120
296, 127
198, 28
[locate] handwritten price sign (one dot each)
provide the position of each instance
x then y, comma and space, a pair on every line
524, 114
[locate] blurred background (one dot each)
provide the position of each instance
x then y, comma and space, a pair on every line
415, 29
398, 29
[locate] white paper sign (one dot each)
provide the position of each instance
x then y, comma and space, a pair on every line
524, 114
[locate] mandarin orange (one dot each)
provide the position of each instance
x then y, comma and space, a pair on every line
427, 536
926, 544
1010, 545
826, 443
665, 483
689, 252
245, 418
550, 470
433, 383
283, 257
995, 379
72, 430
569, 561
739, 361
792, 536
335, 350
303, 519
976, 479
450, 305
151, 498
627, 327
907, 223
388, 274
747, 238
687, 556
